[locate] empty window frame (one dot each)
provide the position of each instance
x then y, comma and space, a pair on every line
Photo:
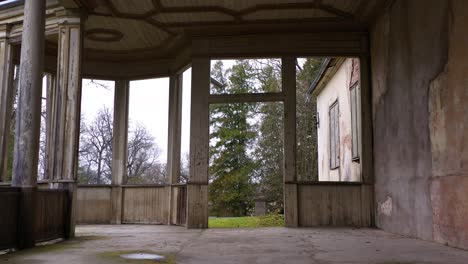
334, 135
148, 131
96, 132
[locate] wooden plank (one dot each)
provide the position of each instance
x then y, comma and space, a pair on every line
9, 197
334, 205
93, 205
271, 45
51, 208
145, 205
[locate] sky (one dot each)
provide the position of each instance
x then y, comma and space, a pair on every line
148, 106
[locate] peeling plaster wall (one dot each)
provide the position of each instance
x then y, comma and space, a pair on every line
420, 111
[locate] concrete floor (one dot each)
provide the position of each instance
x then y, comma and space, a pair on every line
104, 244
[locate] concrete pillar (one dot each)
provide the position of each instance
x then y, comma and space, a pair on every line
28, 118
7, 93
174, 140
63, 158
289, 171
197, 186
119, 148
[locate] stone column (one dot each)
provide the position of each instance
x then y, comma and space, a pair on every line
197, 187
28, 118
63, 158
7, 93
119, 148
173, 148
289, 170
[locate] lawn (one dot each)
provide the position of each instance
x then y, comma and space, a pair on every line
247, 221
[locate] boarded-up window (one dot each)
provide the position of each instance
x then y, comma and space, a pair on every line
355, 120
334, 135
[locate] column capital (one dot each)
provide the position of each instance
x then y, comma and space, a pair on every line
70, 16
5, 31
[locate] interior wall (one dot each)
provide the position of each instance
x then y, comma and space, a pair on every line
420, 90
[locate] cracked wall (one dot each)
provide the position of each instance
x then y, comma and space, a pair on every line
420, 94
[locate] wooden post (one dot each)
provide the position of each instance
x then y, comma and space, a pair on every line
119, 149
289, 171
366, 140
197, 187
51, 104
28, 119
64, 156
7, 93
173, 148
175, 116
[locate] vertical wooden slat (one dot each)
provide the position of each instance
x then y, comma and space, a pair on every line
9, 198
145, 204
51, 207
333, 204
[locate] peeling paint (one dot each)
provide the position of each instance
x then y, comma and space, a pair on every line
386, 207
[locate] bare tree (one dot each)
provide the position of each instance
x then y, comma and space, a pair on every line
96, 148
142, 164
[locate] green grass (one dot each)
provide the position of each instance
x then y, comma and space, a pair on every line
247, 221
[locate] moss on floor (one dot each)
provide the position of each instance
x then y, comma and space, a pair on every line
115, 256
272, 220
59, 246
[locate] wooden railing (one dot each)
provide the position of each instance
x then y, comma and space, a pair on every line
335, 204
141, 204
52, 215
9, 200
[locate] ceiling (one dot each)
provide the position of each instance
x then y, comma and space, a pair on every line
148, 29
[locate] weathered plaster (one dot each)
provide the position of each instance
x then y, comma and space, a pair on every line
448, 124
407, 54
419, 77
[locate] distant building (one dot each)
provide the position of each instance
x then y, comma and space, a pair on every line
337, 91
